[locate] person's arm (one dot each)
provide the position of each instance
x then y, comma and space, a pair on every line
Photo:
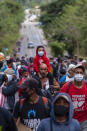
9, 91
13, 124
16, 112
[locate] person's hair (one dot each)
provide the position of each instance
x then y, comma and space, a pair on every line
81, 67
22, 61
31, 59
30, 83
1, 64
40, 47
23, 57
17, 59
51, 58
80, 59
9, 61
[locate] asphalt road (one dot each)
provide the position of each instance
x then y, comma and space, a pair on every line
31, 32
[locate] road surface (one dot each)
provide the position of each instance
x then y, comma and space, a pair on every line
31, 32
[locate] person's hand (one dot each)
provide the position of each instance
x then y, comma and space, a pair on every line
6, 83
43, 82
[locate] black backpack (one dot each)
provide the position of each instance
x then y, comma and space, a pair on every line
70, 83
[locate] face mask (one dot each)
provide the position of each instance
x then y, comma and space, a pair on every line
51, 63
78, 77
60, 110
40, 53
25, 95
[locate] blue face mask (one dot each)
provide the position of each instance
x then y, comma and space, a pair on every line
40, 53
51, 63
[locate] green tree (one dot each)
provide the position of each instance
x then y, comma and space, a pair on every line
66, 22
57, 48
11, 15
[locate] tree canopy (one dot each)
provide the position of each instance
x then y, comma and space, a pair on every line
33, 3
11, 15
65, 23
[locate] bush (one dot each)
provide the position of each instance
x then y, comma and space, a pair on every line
11, 15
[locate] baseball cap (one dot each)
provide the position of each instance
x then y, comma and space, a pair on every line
71, 66
65, 97
80, 66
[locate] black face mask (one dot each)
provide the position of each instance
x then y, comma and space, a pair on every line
61, 110
25, 95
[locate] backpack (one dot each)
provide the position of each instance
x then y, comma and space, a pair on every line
70, 83
45, 101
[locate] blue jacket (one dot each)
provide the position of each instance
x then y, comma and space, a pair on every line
70, 125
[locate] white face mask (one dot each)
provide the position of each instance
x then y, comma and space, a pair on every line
78, 77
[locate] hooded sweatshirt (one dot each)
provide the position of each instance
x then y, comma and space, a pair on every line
38, 60
70, 125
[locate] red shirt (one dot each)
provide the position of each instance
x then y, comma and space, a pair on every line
21, 82
79, 100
